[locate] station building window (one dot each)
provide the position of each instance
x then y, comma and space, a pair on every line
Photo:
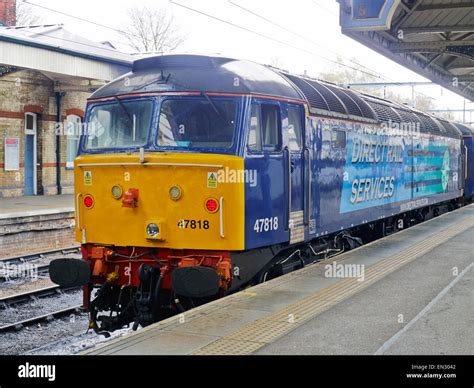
72, 132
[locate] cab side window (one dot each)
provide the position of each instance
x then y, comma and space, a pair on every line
265, 128
294, 129
255, 134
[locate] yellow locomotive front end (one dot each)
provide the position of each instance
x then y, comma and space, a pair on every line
159, 200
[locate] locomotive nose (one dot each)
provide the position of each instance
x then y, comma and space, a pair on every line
69, 272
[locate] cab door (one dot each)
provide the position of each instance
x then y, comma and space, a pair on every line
295, 155
266, 202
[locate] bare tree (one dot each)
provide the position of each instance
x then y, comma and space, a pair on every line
25, 15
277, 62
344, 75
152, 30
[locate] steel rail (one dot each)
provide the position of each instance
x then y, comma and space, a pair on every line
44, 317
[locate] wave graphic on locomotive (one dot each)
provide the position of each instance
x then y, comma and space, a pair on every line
198, 176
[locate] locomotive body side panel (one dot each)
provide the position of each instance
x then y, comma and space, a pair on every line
362, 174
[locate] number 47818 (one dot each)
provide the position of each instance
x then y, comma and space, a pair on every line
266, 224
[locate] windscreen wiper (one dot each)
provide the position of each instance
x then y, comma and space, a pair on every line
209, 100
125, 110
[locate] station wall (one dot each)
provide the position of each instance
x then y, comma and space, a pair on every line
27, 91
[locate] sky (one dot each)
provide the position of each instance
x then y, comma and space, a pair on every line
316, 21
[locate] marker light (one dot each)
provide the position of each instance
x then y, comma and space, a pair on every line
117, 191
175, 193
89, 201
152, 230
212, 205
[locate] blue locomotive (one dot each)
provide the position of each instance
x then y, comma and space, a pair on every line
201, 175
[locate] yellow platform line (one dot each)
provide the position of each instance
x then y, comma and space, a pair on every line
255, 335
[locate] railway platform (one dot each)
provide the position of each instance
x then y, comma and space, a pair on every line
409, 293
34, 224
35, 205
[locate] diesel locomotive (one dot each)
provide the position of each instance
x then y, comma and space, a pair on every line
198, 176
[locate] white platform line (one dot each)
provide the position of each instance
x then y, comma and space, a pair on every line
397, 336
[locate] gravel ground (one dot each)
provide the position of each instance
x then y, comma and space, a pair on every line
32, 337
71, 344
20, 286
62, 336
66, 335
39, 307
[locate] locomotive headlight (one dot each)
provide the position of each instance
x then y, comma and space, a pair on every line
117, 191
152, 230
175, 193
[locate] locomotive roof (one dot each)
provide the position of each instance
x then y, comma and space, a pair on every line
197, 73
464, 129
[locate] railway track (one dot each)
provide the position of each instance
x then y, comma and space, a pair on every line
40, 318
41, 255
23, 298
28, 267
33, 295
37, 263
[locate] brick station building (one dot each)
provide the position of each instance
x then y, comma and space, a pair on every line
46, 75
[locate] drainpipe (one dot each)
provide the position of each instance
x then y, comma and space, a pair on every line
59, 96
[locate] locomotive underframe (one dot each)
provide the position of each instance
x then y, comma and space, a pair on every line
149, 294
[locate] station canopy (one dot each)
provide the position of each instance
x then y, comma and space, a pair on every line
434, 38
59, 54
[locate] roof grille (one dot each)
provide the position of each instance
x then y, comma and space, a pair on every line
314, 98
408, 117
428, 123
449, 127
384, 112
465, 130
351, 106
365, 109
332, 100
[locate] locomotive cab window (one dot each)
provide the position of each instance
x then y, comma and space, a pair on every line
202, 122
338, 139
120, 124
265, 128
